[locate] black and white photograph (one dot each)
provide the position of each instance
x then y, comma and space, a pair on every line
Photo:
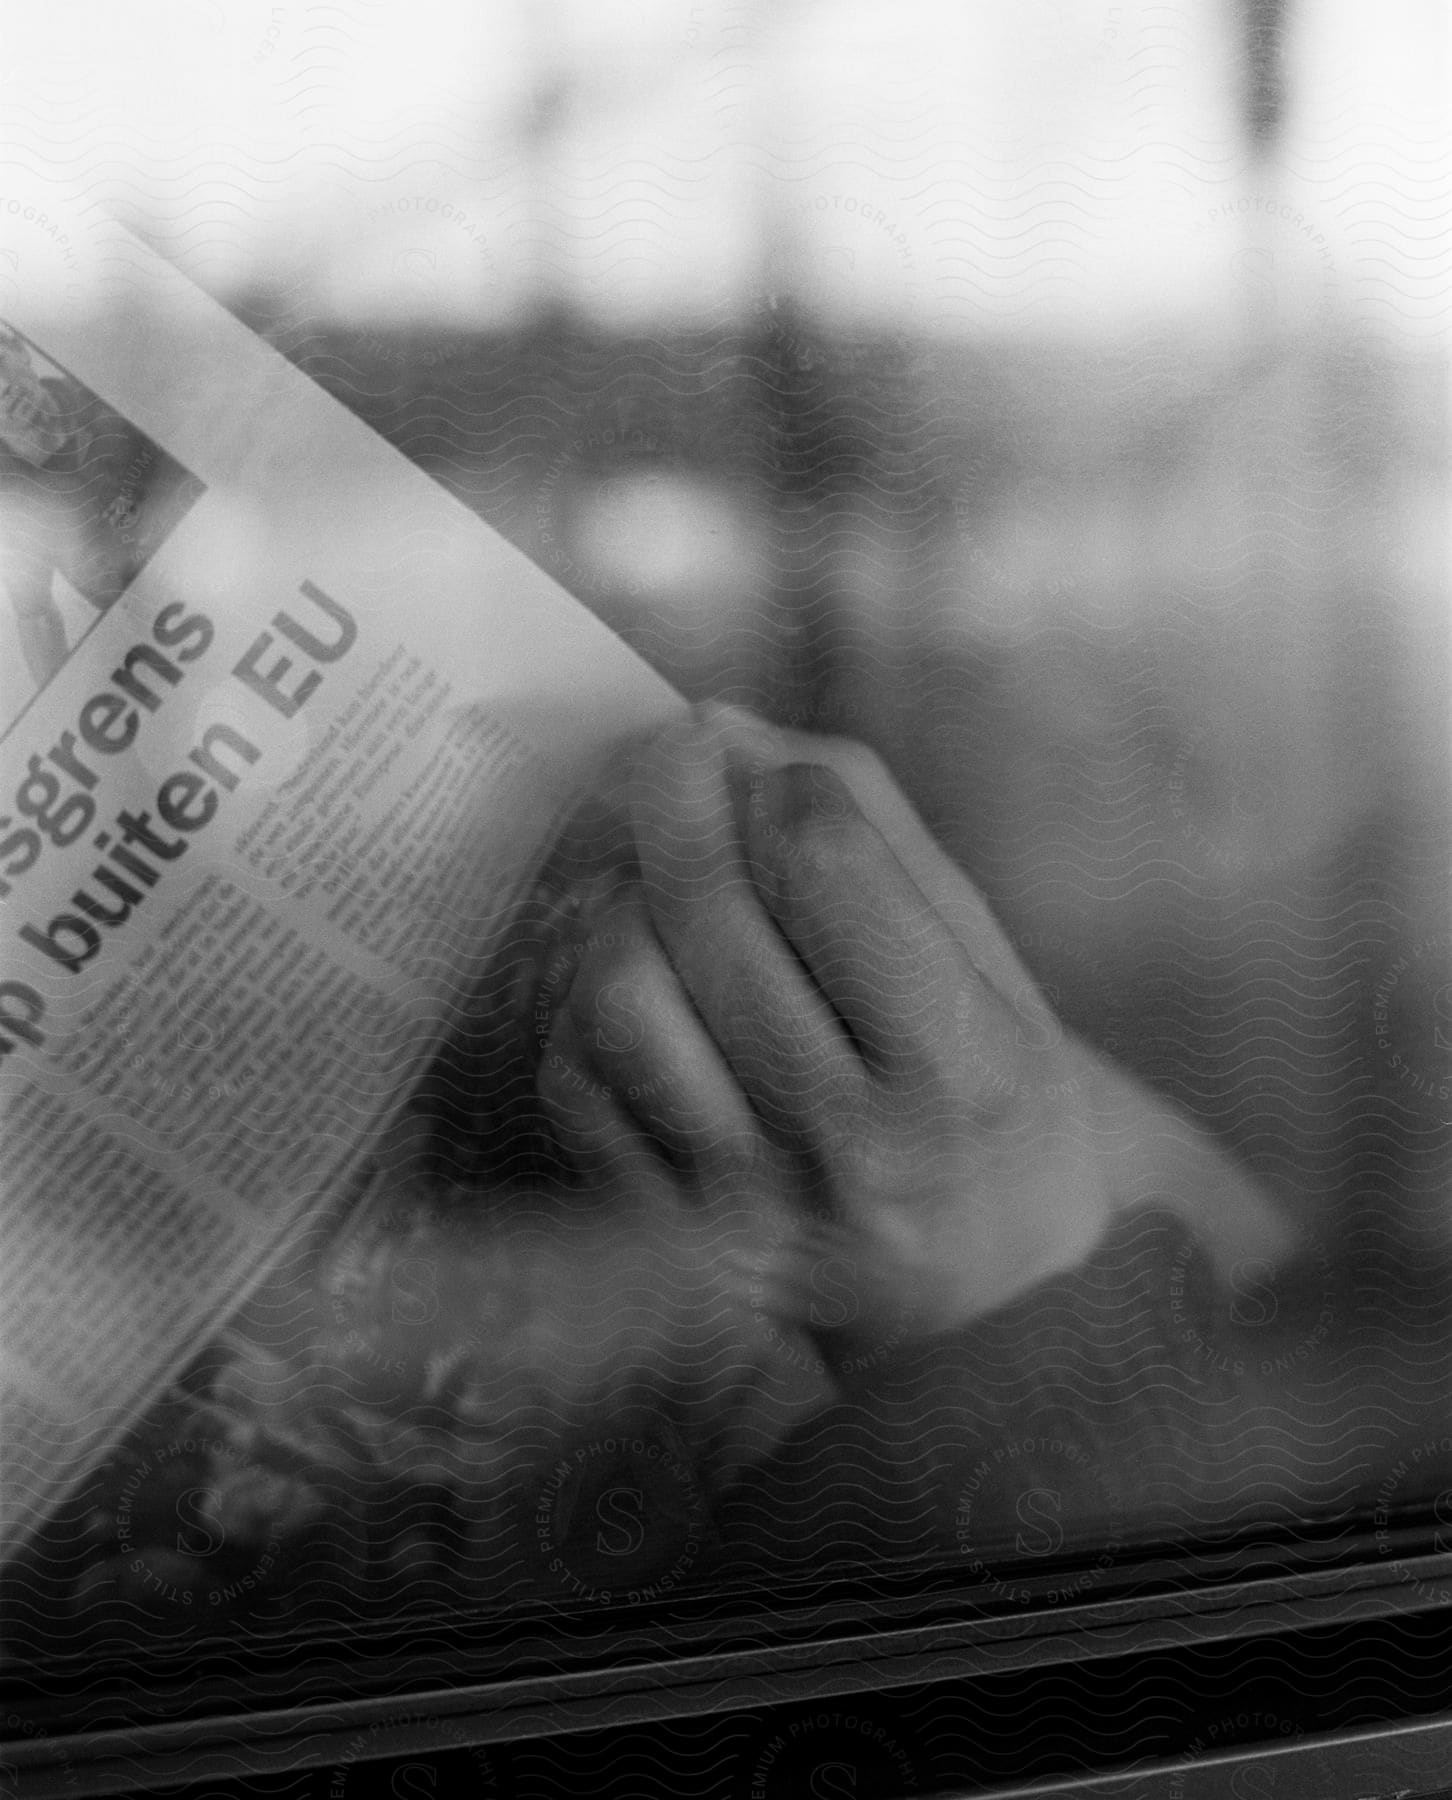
86, 498
726, 896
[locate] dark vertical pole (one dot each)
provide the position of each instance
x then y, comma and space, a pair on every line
1263, 28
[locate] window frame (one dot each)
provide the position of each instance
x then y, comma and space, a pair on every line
637, 1674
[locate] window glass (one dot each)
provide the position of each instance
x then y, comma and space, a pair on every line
981, 1158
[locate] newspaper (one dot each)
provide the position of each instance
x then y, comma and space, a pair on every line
299, 728
286, 732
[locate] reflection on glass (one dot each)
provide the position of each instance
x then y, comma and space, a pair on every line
777, 1209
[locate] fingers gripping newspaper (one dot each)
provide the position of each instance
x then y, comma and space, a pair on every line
300, 725
286, 732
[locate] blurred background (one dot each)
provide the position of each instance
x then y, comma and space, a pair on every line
1052, 394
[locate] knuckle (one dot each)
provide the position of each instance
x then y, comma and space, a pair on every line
877, 1166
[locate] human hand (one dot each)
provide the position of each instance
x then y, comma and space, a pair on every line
800, 1005
776, 1007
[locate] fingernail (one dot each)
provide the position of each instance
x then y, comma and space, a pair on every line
798, 794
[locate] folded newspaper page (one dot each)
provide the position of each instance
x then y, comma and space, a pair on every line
286, 725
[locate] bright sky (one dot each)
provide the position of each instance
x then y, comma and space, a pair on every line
969, 165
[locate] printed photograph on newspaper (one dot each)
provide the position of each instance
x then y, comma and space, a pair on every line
86, 498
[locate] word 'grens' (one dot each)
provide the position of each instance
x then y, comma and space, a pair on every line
138, 846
